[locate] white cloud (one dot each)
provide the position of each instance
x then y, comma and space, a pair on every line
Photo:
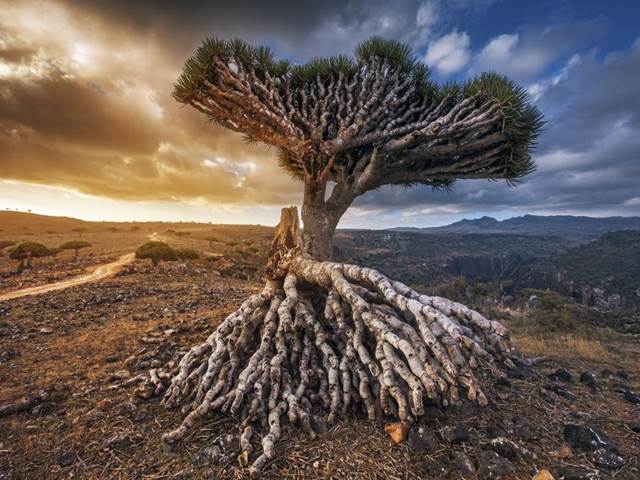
449, 53
499, 49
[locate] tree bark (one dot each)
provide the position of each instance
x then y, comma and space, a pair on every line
320, 218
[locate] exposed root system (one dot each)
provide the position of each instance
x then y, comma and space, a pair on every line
333, 338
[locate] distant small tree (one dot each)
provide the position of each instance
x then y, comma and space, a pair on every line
135, 228
4, 244
25, 251
187, 253
156, 252
79, 230
75, 245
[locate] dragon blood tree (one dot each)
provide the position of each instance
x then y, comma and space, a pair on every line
325, 338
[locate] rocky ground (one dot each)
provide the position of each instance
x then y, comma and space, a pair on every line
67, 411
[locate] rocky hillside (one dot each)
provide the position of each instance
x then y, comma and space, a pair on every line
604, 274
567, 226
429, 259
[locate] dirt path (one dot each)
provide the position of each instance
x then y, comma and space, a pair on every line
103, 271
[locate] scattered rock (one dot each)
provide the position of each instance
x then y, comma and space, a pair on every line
575, 473
508, 449
492, 466
562, 375
606, 372
631, 397
587, 438
67, 459
456, 435
464, 464
522, 428
122, 441
563, 392
589, 379
397, 431
564, 452
420, 439
607, 459
543, 475
45, 330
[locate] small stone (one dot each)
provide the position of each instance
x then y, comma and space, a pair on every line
316, 464
575, 473
563, 392
67, 459
522, 428
562, 375
456, 435
45, 330
564, 452
587, 438
420, 439
589, 379
464, 464
631, 397
492, 466
508, 449
607, 459
543, 475
606, 372
397, 431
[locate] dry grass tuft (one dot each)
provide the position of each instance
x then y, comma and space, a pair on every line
566, 346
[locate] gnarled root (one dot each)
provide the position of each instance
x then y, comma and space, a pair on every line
333, 338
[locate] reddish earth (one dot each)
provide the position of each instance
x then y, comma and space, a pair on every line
78, 344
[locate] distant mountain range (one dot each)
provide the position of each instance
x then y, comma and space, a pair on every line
566, 226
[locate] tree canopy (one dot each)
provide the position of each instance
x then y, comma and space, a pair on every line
156, 252
366, 120
187, 253
75, 245
26, 249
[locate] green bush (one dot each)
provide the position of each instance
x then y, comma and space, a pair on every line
27, 251
187, 253
156, 252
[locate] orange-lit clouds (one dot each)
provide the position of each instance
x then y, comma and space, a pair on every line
85, 104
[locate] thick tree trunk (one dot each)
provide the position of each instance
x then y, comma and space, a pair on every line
320, 220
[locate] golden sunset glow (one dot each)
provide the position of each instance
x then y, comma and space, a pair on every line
86, 107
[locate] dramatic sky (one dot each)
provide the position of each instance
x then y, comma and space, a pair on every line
88, 127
